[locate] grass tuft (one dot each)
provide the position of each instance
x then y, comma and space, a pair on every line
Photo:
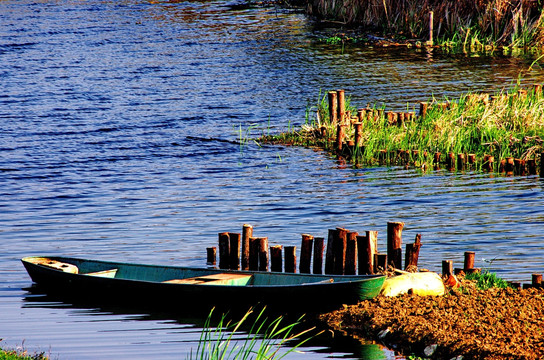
264, 340
487, 280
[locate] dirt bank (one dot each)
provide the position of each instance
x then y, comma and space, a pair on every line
477, 324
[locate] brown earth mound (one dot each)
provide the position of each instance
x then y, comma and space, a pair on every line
477, 324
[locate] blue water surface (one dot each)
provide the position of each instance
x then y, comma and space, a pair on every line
127, 132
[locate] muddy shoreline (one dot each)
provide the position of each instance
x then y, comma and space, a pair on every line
466, 323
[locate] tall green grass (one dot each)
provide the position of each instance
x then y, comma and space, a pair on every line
487, 280
265, 339
506, 124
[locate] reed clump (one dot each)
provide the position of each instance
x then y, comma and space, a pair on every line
494, 133
516, 23
264, 341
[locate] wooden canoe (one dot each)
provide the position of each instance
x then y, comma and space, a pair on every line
170, 287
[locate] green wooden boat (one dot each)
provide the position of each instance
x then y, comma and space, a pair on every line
170, 287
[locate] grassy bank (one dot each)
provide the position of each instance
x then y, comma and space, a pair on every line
20, 355
499, 132
480, 24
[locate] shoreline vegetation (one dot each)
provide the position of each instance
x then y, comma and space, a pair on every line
501, 132
20, 355
465, 25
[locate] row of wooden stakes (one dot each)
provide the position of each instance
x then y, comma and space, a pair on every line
342, 119
346, 252
339, 115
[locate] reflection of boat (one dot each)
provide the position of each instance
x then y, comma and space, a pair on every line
179, 287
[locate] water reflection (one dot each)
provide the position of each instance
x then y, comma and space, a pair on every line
185, 326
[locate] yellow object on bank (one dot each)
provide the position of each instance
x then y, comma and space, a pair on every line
423, 283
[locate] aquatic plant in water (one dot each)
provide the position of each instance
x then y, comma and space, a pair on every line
264, 340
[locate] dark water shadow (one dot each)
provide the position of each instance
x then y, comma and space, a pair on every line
322, 341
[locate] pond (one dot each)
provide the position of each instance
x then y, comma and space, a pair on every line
126, 135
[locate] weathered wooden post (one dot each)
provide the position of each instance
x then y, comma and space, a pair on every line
290, 259
412, 253
431, 27
254, 253
306, 253
531, 166
469, 261
461, 162
390, 118
358, 134
224, 250
234, 251
509, 166
488, 163
341, 105
247, 232
319, 243
368, 249
340, 244
361, 114
351, 253
423, 107
276, 261
394, 243
502, 166
380, 262
471, 158
519, 166
536, 280
263, 253
537, 89
333, 107
450, 161
437, 158
211, 254
447, 268
329, 256
542, 164
340, 135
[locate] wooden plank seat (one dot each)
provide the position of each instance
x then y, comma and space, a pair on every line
65, 267
215, 279
104, 273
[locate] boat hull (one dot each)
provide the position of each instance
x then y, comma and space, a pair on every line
144, 285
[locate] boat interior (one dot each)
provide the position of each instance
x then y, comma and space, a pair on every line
177, 275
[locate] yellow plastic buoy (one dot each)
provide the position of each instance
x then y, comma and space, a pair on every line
423, 284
